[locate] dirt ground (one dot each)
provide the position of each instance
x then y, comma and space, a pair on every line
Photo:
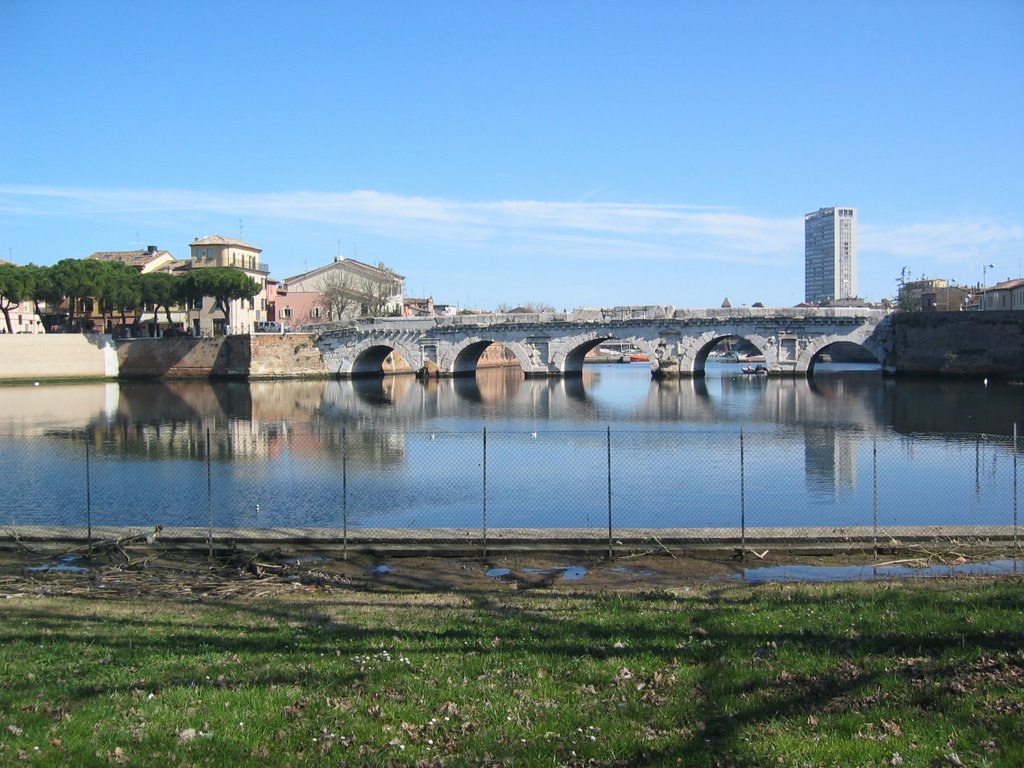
114, 569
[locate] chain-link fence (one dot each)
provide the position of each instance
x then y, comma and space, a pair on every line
477, 489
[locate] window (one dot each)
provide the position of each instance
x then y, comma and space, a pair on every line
317, 312
286, 313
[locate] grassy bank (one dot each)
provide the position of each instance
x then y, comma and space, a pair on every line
920, 674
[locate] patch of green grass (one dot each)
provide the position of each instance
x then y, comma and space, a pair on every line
846, 675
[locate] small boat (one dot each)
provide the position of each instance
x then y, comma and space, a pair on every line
639, 357
758, 370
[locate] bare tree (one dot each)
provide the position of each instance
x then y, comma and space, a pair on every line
524, 307
379, 293
339, 295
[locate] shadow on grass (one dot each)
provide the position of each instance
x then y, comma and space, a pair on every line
756, 655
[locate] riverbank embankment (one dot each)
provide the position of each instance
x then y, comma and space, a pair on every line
942, 344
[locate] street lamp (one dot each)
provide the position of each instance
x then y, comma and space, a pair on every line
984, 283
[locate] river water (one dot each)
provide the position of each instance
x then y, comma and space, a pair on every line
846, 448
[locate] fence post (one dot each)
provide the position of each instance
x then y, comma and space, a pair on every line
209, 499
344, 494
874, 496
743, 500
977, 465
610, 553
484, 521
88, 492
1016, 502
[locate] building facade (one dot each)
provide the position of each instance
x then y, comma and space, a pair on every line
341, 290
243, 314
1008, 294
830, 255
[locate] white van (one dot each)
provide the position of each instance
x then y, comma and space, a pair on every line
268, 326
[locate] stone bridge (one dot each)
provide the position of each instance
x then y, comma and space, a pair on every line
676, 341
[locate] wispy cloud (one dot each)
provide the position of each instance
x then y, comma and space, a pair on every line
568, 230
642, 231
942, 241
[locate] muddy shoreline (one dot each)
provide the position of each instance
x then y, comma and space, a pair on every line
137, 569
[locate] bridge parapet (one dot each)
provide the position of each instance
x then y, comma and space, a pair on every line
613, 314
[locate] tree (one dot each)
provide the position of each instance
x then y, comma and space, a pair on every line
13, 290
344, 293
906, 300
224, 284
338, 294
117, 288
76, 281
41, 289
160, 290
380, 292
526, 306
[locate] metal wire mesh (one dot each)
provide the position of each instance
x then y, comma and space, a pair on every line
588, 484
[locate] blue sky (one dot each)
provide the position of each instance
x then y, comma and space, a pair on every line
591, 153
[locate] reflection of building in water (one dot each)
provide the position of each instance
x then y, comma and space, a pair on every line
830, 462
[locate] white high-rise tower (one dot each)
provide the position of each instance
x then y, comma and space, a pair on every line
830, 255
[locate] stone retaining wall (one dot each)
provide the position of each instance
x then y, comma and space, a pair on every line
184, 358
989, 343
291, 356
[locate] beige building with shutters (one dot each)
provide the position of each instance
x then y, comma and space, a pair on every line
220, 251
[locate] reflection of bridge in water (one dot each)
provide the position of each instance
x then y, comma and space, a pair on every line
411, 450
677, 342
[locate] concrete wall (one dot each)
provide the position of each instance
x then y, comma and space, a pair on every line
25, 357
958, 344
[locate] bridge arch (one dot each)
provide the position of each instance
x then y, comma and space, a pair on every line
814, 347
466, 356
705, 343
850, 350
571, 361
570, 353
368, 359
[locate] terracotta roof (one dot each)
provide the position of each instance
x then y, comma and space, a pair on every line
358, 266
221, 240
1007, 285
137, 259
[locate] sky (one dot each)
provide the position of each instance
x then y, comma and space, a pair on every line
571, 153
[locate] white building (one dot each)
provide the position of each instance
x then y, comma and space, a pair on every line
830, 255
